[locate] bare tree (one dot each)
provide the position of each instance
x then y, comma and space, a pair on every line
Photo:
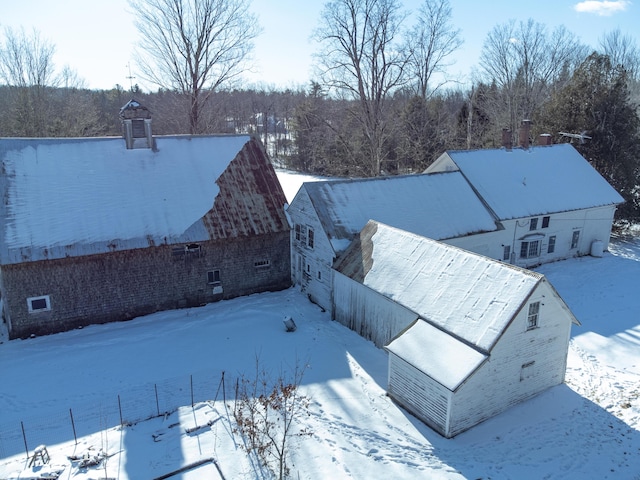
194, 46
27, 60
622, 50
523, 60
430, 43
360, 58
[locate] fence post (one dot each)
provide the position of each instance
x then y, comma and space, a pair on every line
157, 403
191, 380
73, 425
120, 410
24, 437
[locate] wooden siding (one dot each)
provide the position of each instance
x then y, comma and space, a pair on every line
497, 385
124, 285
413, 390
368, 313
251, 200
594, 225
311, 267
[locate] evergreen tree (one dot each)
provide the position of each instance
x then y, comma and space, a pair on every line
596, 101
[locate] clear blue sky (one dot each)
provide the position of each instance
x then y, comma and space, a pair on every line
96, 37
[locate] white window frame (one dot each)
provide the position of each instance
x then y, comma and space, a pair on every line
533, 223
529, 244
575, 239
46, 308
551, 247
533, 315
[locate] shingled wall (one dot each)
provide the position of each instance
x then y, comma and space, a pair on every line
127, 284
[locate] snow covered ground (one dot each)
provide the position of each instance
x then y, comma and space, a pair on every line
587, 428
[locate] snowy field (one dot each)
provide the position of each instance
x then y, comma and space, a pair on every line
587, 428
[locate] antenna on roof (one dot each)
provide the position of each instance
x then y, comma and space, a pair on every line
580, 136
130, 77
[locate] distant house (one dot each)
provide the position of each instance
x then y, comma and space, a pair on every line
551, 203
102, 229
467, 336
327, 216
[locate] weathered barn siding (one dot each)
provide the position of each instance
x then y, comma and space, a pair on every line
373, 316
425, 398
311, 265
522, 364
123, 285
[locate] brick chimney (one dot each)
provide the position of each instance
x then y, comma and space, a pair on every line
525, 131
544, 139
506, 139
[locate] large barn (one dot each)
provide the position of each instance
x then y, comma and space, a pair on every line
467, 336
103, 229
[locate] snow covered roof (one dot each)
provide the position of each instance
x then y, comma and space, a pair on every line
438, 206
69, 197
431, 351
541, 180
470, 296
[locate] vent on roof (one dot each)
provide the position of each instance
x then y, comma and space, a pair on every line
136, 125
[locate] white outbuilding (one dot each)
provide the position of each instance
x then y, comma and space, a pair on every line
467, 336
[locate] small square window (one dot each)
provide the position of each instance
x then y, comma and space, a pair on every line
213, 277
545, 222
532, 317
39, 304
533, 224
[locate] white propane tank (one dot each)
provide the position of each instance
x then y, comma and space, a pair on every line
597, 248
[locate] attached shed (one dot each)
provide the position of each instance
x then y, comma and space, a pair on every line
102, 229
327, 216
551, 202
467, 336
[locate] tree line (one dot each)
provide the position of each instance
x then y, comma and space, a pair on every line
381, 101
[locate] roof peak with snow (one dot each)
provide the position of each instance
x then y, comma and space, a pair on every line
540, 180
92, 195
439, 206
437, 281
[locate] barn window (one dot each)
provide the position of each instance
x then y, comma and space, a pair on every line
310, 238
545, 222
552, 244
262, 264
526, 371
575, 238
213, 277
39, 304
532, 317
530, 249
533, 224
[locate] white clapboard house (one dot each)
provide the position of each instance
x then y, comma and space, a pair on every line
467, 336
551, 203
327, 215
